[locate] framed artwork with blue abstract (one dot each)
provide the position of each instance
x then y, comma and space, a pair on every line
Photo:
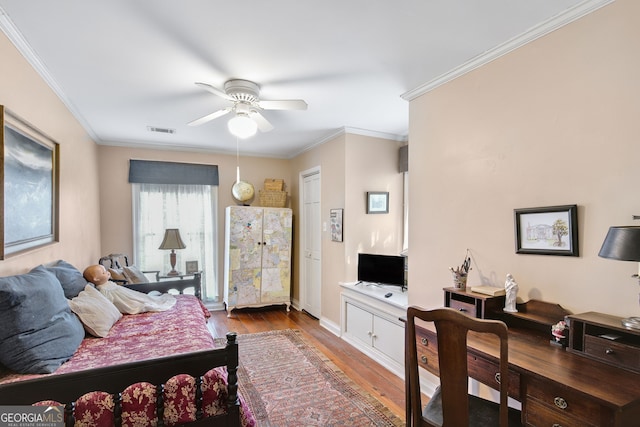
30, 188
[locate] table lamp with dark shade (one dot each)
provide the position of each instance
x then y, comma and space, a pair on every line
173, 241
623, 243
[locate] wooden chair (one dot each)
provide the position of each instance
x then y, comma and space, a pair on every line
451, 405
118, 262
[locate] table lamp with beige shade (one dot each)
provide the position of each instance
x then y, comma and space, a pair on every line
173, 241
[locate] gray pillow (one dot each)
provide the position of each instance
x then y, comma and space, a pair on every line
70, 278
38, 331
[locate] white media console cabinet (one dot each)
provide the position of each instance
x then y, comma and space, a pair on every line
371, 322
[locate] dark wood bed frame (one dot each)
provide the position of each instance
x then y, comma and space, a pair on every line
114, 379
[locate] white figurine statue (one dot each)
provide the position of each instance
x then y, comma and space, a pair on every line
511, 290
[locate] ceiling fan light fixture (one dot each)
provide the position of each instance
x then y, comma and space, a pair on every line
242, 126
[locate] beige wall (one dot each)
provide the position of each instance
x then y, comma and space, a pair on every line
115, 190
552, 123
30, 98
350, 166
372, 165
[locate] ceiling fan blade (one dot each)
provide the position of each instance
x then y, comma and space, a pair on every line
214, 90
263, 124
283, 104
209, 117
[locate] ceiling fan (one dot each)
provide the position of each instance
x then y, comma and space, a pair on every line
245, 96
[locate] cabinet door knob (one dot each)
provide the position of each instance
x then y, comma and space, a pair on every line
423, 359
424, 341
462, 309
497, 377
560, 402
609, 351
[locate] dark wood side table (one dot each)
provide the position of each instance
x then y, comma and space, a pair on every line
167, 283
474, 304
178, 276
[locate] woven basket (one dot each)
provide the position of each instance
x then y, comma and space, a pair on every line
273, 199
271, 184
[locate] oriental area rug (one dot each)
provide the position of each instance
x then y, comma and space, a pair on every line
288, 382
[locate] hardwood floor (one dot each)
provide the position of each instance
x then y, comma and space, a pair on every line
369, 375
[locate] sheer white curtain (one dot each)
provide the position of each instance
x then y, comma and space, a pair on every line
189, 208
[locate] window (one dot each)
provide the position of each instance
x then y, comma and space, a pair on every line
189, 208
182, 196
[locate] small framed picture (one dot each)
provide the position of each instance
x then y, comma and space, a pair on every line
547, 231
336, 225
191, 267
377, 202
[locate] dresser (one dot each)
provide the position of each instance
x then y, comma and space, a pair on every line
370, 321
556, 387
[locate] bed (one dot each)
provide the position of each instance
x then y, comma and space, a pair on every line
153, 368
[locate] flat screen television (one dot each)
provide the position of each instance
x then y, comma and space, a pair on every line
382, 269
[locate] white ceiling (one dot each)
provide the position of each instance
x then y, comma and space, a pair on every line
123, 65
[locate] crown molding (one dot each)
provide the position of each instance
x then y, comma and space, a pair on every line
14, 35
558, 21
376, 134
350, 130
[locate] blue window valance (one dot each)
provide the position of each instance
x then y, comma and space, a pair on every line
157, 172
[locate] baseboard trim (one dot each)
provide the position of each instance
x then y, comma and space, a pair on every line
330, 326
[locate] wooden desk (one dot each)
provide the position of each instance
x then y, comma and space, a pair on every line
556, 387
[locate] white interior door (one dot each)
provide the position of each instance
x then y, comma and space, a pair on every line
311, 289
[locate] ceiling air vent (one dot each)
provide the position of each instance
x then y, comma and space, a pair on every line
160, 130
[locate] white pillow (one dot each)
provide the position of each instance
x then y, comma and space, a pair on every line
134, 275
95, 311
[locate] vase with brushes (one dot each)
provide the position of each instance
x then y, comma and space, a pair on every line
460, 273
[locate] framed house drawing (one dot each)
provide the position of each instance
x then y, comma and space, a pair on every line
551, 230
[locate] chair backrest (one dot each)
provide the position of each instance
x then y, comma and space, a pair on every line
114, 261
451, 328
